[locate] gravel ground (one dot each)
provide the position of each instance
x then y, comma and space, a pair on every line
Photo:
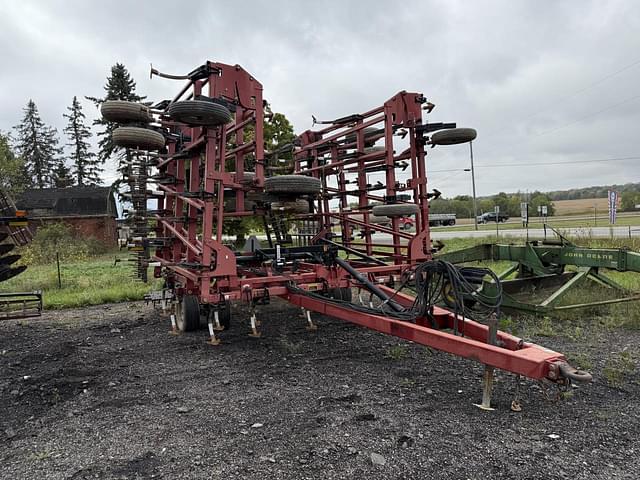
107, 393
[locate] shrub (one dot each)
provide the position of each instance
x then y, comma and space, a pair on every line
59, 238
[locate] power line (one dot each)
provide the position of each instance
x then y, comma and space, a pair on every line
536, 164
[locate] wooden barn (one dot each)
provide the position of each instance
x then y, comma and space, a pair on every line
91, 211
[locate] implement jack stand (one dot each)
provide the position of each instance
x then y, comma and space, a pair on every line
487, 388
216, 321
254, 325
487, 378
312, 327
212, 335
174, 328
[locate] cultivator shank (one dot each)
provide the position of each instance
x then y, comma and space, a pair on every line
210, 170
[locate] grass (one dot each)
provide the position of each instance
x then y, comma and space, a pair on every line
618, 367
90, 282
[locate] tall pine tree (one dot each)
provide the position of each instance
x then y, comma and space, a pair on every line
12, 173
37, 144
86, 166
62, 175
119, 86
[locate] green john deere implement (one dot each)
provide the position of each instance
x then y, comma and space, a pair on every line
544, 272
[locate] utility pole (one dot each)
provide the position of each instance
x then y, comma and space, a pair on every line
473, 183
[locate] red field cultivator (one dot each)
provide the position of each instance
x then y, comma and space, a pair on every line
201, 158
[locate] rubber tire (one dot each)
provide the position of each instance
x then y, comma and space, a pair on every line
369, 150
451, 222
136, 137
378, 220
247, 178
368, 132
395, 210
453, 136
341, 293
188, 314
299, 206
224, 316
293, 184
230, 204
121, 111
199, 113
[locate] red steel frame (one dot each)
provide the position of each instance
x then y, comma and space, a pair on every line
197, 262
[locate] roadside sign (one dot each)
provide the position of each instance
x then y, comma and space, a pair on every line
544, 210
497, 209
613, 205
524, 212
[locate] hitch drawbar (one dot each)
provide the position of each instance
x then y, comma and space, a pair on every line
509, 353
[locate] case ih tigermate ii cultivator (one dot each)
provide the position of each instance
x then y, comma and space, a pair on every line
204, 153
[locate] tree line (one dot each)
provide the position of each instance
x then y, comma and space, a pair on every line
32, 156
509, 203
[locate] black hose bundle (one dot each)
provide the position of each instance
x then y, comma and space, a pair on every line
434, 282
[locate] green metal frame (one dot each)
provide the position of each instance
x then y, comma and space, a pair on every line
542, 264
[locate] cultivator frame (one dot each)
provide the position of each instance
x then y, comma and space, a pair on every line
14, 231
193, 179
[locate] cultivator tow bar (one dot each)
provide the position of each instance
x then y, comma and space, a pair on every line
14, 231
205, 164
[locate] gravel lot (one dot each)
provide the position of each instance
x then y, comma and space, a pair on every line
106, 392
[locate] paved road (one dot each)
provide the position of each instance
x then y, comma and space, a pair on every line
600, 232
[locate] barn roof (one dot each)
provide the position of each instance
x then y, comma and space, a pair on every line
68, 201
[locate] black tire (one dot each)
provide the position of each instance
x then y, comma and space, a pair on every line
122, 111
453, 136
341, 293
230, 204
368, 133
135, 137
224, 316
299, 206
374, 149
247, 178
396, 210
187, 313
378, 220
293, 184
199, 113
451, 222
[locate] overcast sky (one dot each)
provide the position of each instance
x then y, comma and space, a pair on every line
541, 81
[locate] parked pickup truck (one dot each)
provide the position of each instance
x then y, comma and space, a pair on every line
491, 217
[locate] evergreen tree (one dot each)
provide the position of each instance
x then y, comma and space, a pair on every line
119, 86
37, 144
86, 167
62, 175
12, 173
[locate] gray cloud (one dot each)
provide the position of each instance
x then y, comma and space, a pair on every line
522, 73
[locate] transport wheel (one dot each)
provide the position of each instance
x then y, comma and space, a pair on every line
247, 178
368, 133
224, 316
292, 206
135, 137
453, 136
199, 113
123, 112
341, 293
293, 184
396, 210
188, 313
374, 149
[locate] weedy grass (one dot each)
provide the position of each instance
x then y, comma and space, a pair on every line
90, 281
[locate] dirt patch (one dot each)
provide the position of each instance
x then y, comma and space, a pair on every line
107, 393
